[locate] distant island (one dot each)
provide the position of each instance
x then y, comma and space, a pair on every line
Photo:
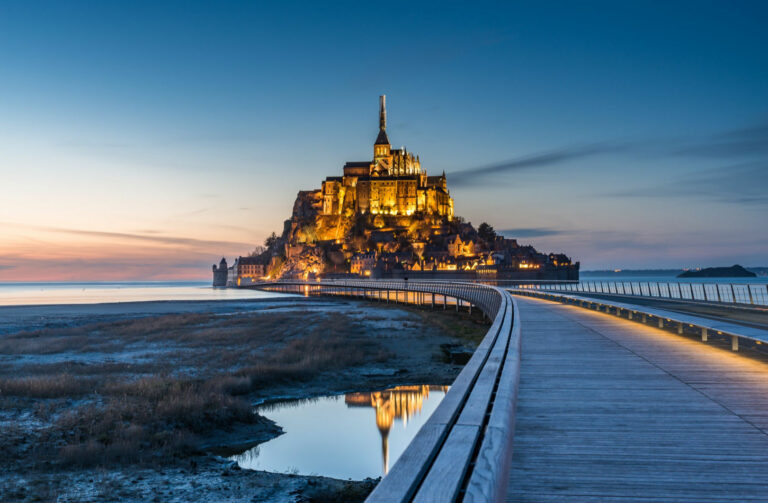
761, 271
735, 271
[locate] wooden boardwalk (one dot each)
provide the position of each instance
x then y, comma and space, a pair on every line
610, 410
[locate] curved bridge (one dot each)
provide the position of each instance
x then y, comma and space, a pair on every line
604, 409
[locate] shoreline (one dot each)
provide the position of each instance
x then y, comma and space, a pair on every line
34, 316
130, 303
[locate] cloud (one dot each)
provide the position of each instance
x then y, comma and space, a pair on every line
549, 158
531, 232
165, 240
6, 267
737, 145
151, 238
742, 183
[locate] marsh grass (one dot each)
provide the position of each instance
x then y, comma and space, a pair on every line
471, 328
51, 386
144, 408
148, 389
302, 359
146, 418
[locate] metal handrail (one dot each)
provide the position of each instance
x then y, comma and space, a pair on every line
747, 294
463, 452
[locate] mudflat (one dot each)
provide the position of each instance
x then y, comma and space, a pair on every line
134, 401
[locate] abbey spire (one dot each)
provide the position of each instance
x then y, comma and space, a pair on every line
383, 112
382, 138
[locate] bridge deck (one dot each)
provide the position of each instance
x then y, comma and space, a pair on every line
610, 410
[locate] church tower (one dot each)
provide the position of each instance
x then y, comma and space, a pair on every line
382, 158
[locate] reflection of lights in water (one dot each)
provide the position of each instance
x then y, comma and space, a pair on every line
400, 402
327, 435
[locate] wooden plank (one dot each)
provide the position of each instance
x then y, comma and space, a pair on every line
403, 479
456, 397
479, 399
490, 474
489, 480
444, 479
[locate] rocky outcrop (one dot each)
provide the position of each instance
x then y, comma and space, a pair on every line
307, 205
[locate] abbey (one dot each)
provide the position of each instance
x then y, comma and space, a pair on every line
393, 183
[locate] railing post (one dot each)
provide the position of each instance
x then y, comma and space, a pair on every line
733, 293
680, 328
717, 289
734, 343
661, 322
749, 291
704, 334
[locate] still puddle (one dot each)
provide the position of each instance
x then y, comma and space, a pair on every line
350, 436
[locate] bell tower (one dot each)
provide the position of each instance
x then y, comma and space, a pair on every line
381, 150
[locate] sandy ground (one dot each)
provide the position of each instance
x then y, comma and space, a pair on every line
113, 343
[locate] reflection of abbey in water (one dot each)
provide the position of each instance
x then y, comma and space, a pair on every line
401, 402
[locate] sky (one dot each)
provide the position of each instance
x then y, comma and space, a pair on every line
146, 140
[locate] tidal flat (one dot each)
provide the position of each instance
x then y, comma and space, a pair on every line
143, 402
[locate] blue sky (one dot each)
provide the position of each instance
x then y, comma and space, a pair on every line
143, 140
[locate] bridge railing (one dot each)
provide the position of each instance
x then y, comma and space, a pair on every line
681, 322
463, 451
754, 294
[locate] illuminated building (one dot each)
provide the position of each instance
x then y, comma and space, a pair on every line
250, 268
363, 264
459, 248
393, 183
